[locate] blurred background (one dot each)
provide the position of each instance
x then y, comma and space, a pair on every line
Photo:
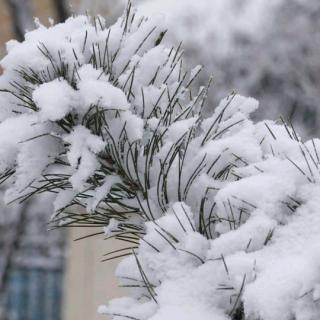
268, 49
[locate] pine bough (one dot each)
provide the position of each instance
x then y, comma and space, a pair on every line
219, 215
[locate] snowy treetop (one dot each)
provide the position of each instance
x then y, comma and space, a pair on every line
220, 213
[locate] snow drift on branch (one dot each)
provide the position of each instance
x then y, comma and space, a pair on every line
220, 215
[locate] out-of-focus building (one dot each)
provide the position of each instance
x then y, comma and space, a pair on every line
31, 262
89, 282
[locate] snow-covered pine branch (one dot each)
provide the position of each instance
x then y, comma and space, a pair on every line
220, 214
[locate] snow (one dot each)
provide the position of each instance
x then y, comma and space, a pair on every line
81, 155
63, 199
282, 275
248, 237
54, 99
100, 193
10, 147
222, 211
288, 267
113, 224
94, 91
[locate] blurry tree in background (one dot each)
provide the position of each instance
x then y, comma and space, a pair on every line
266, 49
280, 65
62, 9
289, 56
110, 9
21, 12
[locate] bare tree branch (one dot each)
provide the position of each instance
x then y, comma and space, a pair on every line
61, 9
21, 12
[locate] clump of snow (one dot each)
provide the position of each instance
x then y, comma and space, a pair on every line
54, 99
101, 192
94, 88
63, 199
113, 224
82, 154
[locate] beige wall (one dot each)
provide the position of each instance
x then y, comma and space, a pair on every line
88, 281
